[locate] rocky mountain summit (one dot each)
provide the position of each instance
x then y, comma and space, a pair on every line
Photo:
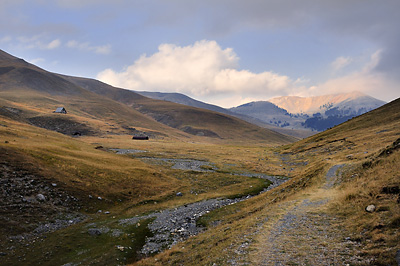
314, 113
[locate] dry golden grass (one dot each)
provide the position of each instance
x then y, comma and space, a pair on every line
76, 163
353, 143
365, 185
131, 186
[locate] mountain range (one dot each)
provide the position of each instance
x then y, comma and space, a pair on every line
291, 115
279, 117
99, 108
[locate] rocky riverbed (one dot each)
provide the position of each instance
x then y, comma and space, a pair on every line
174, 225
182, 164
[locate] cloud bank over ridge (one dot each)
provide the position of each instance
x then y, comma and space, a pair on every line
212, 74
203, 69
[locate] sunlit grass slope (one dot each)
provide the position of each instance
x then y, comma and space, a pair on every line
369, 147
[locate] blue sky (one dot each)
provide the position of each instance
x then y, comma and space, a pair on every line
225, 52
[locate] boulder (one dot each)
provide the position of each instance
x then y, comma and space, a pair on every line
40, 197
94, 232
370, 208
179, 194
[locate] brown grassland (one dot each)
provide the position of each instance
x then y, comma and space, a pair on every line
367, 146
131, 187
84, 166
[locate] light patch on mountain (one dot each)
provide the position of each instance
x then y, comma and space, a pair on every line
319, 104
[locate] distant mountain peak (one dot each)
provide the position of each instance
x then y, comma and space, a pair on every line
315, 104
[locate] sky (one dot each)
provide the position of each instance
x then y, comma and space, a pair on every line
223, 52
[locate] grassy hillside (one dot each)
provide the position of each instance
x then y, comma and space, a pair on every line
83, 169
368, 147
192, 120
72, 199
38, 92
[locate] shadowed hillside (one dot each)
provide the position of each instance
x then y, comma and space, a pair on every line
262, 119
192, 120
109, 110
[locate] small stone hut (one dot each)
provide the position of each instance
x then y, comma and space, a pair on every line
141, 137
60, 110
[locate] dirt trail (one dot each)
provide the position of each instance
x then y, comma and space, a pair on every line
301, 232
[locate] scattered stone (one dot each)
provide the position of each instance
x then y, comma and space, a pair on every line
40, 197
370, 208
99, 198
398, 257
121, 248
171, 226
116, 233
94, 231
58, 224
90, 197
3, 254
54, 184
107, 212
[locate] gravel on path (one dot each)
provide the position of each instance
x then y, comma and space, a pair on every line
305, 234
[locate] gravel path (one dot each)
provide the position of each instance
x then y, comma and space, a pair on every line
305, 234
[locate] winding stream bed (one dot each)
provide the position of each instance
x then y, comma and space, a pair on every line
174, 225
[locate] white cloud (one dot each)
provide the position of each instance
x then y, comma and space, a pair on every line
53, 44
203, 70
38, 42
104, 49
340, 63
366, 80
